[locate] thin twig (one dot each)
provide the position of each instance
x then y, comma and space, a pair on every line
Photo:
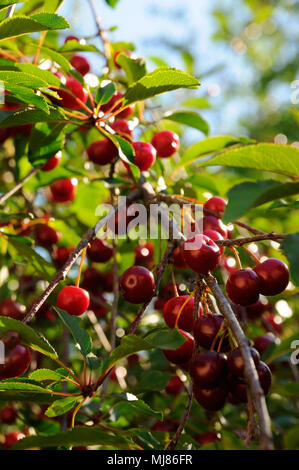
173, 443
115, 296
18, 186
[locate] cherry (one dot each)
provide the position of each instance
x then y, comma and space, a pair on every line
61, 254
46, 236
274, 321
216, 204
178, 259
8, 415
261, 343
11, 308
144, 254
166, 143
237, 385
164, 426
52, 163
168, 291
208, 369
205, 330
133, 360
71, 38
212, 399
213, 223
171, 310
108, 281
46, 312
97, 305
255, 310
102, 152
235, 362
243, 287
201, 254
23, 129
4, 134
183, 353
27, 283
265, 377
17, 361
11, 339
74, 300
11, 438
63, 190
213, 235
229, 264
159, 304
175, 386
122, 127
68, 98
80, 64
137, 285
92, 280
126, 113
145, 155
274, 276
207, 437
111, 106
9, 105
119, 223
99, 251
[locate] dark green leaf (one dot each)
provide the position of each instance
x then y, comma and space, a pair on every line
190, 119
29, 116
152, 380
105, 93
82, 339
62, 406
289, 248
46, 374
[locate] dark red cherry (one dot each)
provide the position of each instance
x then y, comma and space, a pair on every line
145, 155
17, 361
4, 135
182, 354
275, 322
166, 143
207, 437
11, 438
164, 426
274, 276
113, 104
46, 236
265, 377
261, 343
80, 64
235, 362
108, 281
93, 280
11, 308
208, 369
8, 415
63, 190
212, 399
201, 254
122, 127
61, 254
119, 223
74, 300
216, 204
205, 330
168, 291
144, 254
71, 38
243, 287
98, 305
11, 339
213, 235
102, 152
52, 163
210, 222
178, 259
68, 98
255, 311
137, 285
237, 385
99, 251
175, 386
172, 308
126, 113
9, 105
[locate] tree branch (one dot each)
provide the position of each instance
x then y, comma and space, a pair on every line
173, 443
18, 186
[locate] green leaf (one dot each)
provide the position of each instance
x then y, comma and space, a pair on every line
46, 139
75, 46
79, 436
7, 3
134, 406
126, 153
28, 96
129, 344
199, 103
24, 385
62, 406
21, 78
291, 438
153, 380
135, 69
44, 75
19, 25
282, 159
81, 337
289, 248
51, 20
29, 336
29, 116
112, 3
105, 93
205, 182
56, 57
190, 119
46, 374
159, 81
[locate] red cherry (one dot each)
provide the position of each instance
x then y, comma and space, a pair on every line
27, 283
255, 310
171, 310
159, 304
99, 251
17, 361
207, 437
261, 343
168, 291
71, 38
9, 105
211, 222
119, 223
235, 362
145, 155
265, 377
11, 308
63, 190
121, 127
175, 386
213, 235
201, 254
144, 254
102, 152
216, 204
23, 129
164, 426
97, 305
274, 276
11, 339
166, 143
274, 321
137, 285
61, 254
4, 134
73, 300
183, 353
80, 64
68, 98
243, 287
45, 312
209, 369
211, 399
108, 281
237, 385
52, 163
205, 330
8, 415
11, 438
93, 280
178, 259
111, 106
46, 236
126, 113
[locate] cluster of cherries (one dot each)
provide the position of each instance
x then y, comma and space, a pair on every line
17, 356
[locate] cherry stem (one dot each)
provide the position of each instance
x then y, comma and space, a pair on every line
76, 411
252, 255
236, 255
80, 266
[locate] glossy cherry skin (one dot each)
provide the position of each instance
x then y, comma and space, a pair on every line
68, 98
212, 399
11, 339
111, 106
201, 254
178, 259
17, 361
206, 328
235, 362
255, 310
102, 152
74, 300
216, 204
144, 254
274, 276
46, 236
164, 426
261, 343
145, 155
52, 163
63, 190
122, 127
11, 438
182, 354
166, 143
237, 385
208, 369
71, 38
99, 251
210, 222
8, 415
265, 377
11, 308
93, 280
172, 308
243, 287
175, 386
213, 235
137, 285
80, 64
61, 254
126, 113
207, 437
